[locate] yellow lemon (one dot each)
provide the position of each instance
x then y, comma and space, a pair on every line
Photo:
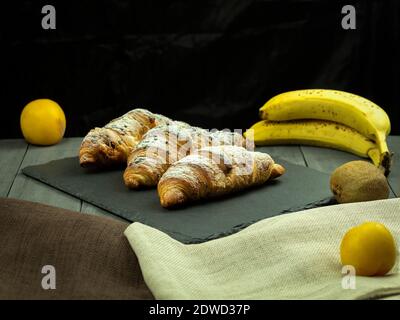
370, 248
43, 122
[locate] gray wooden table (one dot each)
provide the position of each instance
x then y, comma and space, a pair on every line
15, 154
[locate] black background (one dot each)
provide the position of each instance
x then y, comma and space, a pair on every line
212, 63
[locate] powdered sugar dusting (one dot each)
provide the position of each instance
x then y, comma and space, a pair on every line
217, 170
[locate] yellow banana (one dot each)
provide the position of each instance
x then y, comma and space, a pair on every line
317, 133
342, 107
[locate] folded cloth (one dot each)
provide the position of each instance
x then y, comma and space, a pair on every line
90, 255
293, 256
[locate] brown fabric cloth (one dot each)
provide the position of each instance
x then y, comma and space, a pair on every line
91, 256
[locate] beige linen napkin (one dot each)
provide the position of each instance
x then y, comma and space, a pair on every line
292, 256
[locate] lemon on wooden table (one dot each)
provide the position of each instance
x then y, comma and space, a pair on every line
370, 248
43, 122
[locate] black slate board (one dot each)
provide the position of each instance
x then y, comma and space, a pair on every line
299, 188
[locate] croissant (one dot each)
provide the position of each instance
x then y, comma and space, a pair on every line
111, 144
213, 172
165, 145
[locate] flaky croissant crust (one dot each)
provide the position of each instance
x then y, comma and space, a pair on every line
111, 144
215, 171
164, 145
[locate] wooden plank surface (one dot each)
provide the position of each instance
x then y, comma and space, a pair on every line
12, 153
30, 189
88, 208
326, 160
394, 176
289, 153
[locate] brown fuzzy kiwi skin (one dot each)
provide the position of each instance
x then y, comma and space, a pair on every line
358, 181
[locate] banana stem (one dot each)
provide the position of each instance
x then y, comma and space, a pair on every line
385, 155
386, 162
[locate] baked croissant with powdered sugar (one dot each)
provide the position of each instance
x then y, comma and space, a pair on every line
213, 172
111, 144
164, 145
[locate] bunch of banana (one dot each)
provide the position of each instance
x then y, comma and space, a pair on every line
325, 118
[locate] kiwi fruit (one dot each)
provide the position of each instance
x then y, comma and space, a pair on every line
358, 181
